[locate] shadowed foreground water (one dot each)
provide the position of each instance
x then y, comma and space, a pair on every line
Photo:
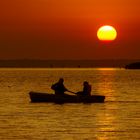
117, 118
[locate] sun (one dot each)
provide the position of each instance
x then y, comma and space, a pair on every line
106, 33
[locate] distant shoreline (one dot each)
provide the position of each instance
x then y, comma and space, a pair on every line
120, 63
135, 65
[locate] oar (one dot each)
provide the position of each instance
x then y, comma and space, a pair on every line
71, 91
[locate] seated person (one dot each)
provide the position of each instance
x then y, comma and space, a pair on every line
59, 87
86, 90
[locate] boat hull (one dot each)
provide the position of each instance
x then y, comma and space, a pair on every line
45, 97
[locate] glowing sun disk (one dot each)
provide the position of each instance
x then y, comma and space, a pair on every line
106, 33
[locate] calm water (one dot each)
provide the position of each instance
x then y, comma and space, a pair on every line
118, 118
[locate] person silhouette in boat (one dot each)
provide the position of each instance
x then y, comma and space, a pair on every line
59, 87
86, 89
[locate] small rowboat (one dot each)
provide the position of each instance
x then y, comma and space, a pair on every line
45, 97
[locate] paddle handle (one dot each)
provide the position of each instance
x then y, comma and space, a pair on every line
71, 91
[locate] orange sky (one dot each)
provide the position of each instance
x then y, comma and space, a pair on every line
66, 29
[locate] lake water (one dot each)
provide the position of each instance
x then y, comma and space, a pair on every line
116, 119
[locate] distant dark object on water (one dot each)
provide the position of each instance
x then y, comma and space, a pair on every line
135, 65
53, 98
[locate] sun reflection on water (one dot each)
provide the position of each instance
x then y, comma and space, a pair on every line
107, 119
105, 83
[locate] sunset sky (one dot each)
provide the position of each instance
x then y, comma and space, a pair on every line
66, 29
